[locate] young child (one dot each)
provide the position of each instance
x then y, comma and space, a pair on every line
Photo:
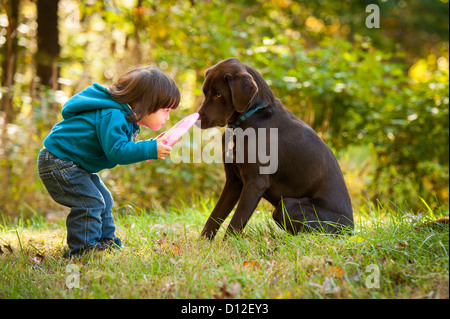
98, 131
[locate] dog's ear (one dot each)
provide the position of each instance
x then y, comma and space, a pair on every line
243, 89
207, 72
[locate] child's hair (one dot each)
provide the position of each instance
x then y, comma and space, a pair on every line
147, 89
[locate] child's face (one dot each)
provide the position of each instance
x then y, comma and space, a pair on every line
156, 120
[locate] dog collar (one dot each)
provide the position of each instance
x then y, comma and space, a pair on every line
245, 116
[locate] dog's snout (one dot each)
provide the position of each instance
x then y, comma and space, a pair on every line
202, 120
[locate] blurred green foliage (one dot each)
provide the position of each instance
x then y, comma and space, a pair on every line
382, 92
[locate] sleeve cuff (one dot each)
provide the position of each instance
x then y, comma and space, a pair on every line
153, 149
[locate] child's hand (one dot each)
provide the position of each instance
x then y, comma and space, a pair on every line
163, 150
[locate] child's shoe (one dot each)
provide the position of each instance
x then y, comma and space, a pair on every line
110, 243
81, 251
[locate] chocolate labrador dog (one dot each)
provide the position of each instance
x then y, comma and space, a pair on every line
305, 183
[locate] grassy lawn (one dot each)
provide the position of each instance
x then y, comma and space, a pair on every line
394, 254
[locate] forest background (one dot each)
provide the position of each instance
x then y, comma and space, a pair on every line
378, 96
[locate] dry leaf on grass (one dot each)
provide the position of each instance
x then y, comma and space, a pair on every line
167, 286
270, 251
37, 259
286, 295
402, 244
228, 292
435, 224
251, 263
164, 246
162, 240
328, 287
336, 271
157, 250
175, 249
356, 239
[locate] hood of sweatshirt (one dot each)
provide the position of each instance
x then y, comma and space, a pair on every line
93, 97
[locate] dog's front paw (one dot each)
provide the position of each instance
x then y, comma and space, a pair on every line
208, 234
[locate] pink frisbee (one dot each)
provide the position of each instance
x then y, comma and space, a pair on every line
178, 130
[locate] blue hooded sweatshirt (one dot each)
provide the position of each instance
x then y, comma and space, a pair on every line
95, 134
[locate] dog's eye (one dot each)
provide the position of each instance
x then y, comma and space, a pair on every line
218, 95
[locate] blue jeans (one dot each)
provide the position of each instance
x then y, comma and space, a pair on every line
90, 219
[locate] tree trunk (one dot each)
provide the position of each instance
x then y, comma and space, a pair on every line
48, 45
8, 65
10, 54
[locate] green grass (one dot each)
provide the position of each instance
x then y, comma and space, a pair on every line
164, 257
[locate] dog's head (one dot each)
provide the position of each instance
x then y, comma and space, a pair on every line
228, 88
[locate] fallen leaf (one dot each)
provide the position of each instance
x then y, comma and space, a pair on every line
228, 293
35, 260
286, 295
234, 288
223, 290
435, 224
175, 249
429, 295
270, 251
167, 286
402, 244
336, 271
157, 250
328, 287
161, 244
251, 263
162, 241
356, 238
443, 220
